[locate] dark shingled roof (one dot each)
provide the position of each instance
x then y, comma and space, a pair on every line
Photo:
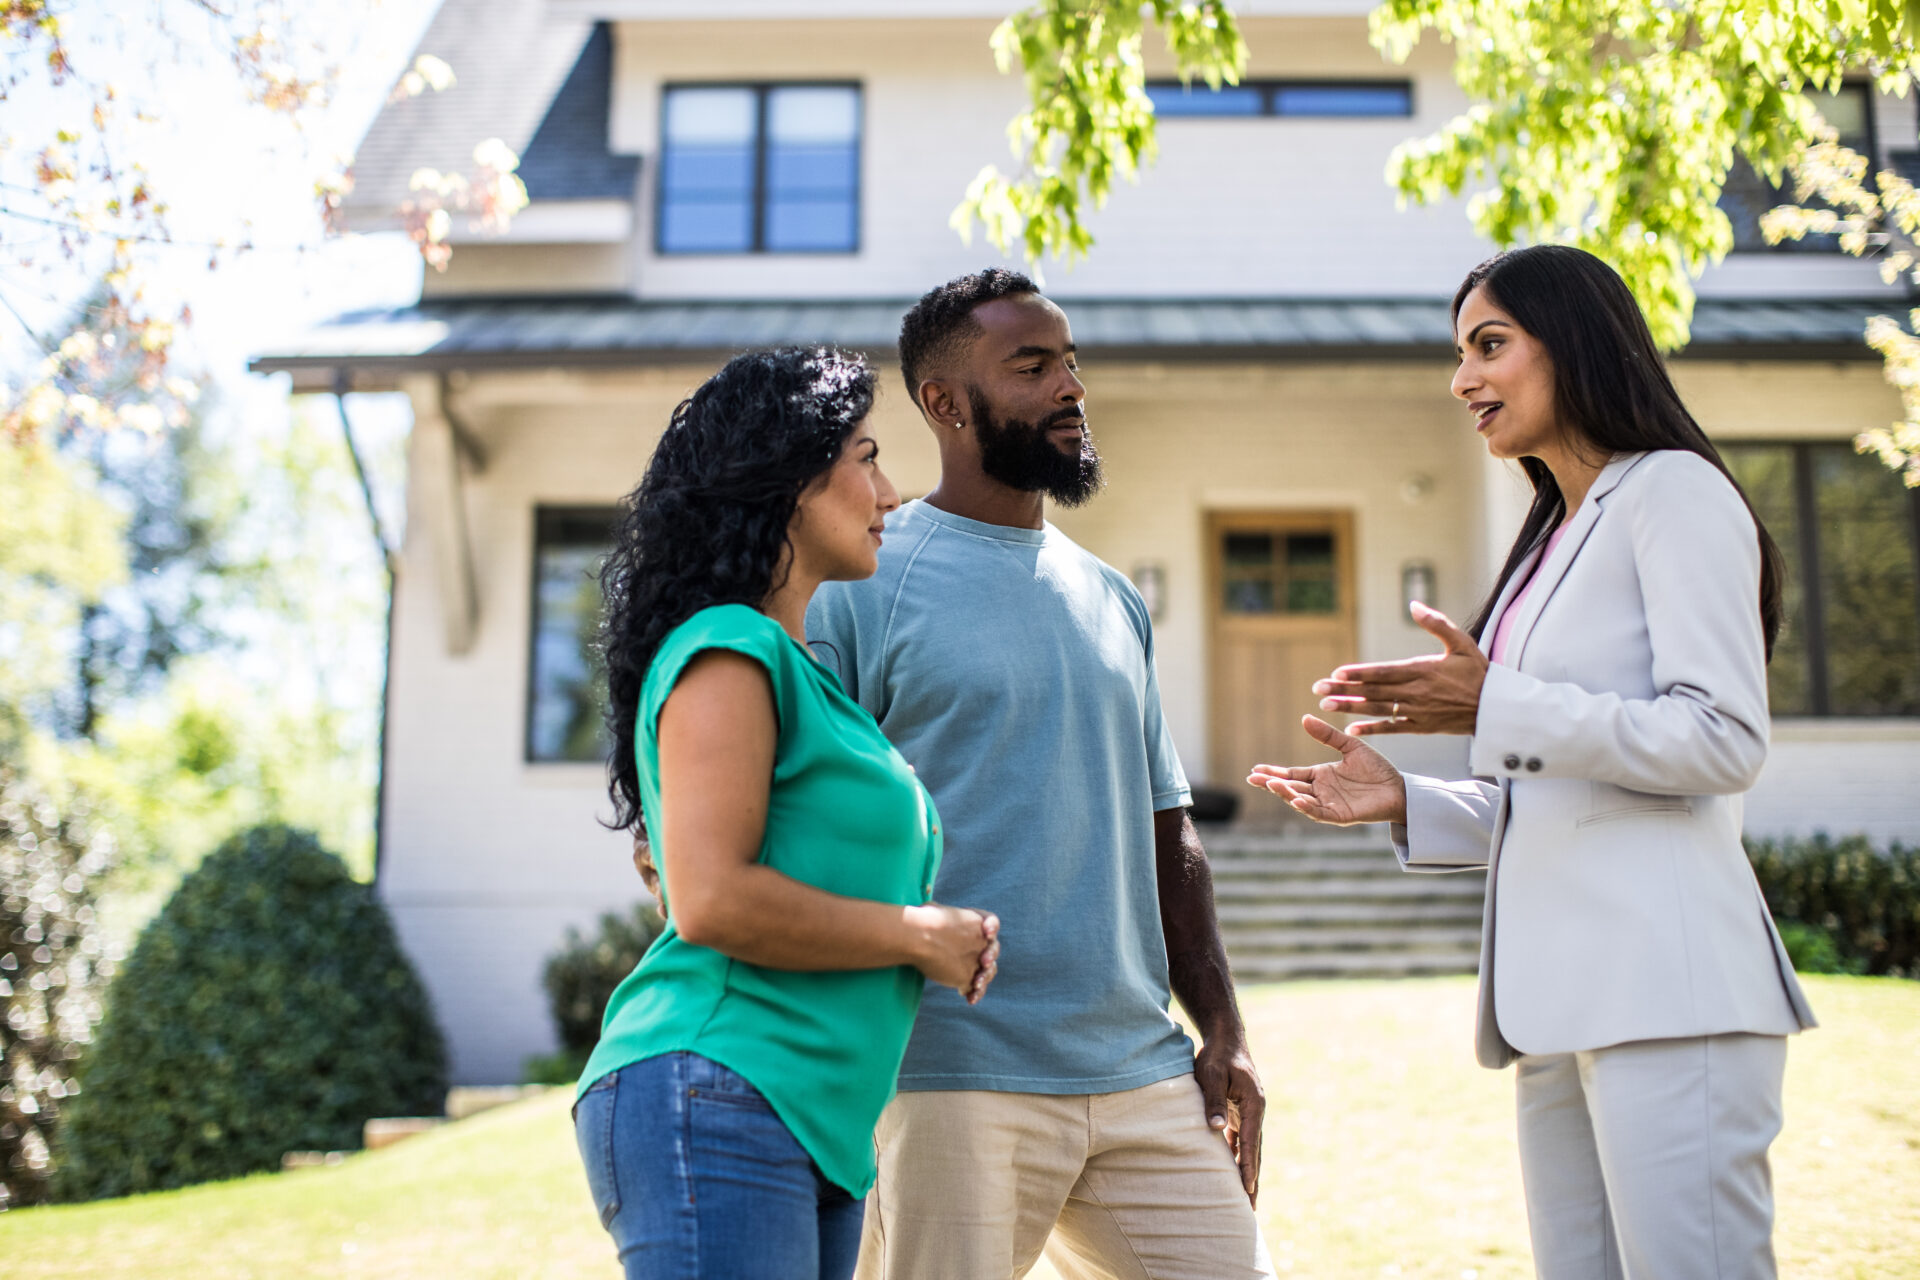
568, 157
608, 331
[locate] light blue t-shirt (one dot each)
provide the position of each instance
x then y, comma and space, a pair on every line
1014, 671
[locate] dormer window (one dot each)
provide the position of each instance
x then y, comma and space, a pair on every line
759, 169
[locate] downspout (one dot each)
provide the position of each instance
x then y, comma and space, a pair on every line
390, 560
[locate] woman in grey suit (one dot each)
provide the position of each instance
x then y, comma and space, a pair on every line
1614, 685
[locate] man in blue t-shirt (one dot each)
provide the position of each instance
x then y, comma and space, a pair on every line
1014, 670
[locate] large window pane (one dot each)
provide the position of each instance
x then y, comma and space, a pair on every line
1766, 472
813, 159
567, 686
1198, 100
1354, 99
1867, 584
760, 168
1747, 196
1343, 100
1850, 533
707, 163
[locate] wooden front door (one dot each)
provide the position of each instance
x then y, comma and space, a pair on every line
1281, 602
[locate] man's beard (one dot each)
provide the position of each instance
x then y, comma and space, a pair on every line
1019, 454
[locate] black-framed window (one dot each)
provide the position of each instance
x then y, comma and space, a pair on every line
1849, 530
566, 684
1747, 196
759, 168
1307, 99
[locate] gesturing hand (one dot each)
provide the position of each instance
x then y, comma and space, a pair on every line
1361, 787
957, 947
1435, 693
1235, 1101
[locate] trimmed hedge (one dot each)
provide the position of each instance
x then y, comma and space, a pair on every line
266, 1009
580, 978
1866, 901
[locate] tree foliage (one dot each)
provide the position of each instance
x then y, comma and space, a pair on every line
1607, 124
1089, 119
1612, 124
266, 1009
53, 964
1882, 220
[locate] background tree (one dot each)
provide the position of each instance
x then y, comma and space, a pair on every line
53, 964
75, 195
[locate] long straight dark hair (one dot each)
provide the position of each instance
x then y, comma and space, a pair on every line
1609, 384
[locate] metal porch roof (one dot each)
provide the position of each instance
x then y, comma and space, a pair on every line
496, 333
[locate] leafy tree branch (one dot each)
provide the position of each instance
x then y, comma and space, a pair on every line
1089, 119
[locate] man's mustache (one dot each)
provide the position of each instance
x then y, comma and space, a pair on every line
1062, 418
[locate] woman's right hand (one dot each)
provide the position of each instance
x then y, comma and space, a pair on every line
956, 947
1363, 786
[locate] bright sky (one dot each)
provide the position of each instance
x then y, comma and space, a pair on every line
229, 171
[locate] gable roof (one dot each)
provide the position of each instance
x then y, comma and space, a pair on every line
509, 60
568, 157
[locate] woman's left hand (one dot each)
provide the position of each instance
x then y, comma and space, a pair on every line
1436, 693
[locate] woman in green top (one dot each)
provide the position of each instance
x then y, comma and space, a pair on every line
726, 1116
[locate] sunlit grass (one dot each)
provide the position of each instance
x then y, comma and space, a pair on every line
1389, 1153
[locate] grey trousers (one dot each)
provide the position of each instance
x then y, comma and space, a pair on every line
1648, 1161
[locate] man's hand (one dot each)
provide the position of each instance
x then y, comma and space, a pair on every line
1236, 1104
649, 874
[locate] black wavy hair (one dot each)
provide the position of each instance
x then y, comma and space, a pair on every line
1610, 385
941, 323
708, 523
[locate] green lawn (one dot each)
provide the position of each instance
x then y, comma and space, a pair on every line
1388, 1154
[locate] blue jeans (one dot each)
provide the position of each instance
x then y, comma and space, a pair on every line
695, 1176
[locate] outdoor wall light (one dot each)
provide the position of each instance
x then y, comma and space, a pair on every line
1150, 580
1416, 583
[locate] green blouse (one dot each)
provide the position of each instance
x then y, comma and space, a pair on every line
845, 814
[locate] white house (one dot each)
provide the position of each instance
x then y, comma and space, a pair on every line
1267, 353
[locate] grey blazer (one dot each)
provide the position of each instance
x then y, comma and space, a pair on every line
1611, 753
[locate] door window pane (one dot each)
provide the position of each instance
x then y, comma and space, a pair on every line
1286, 573
1310, 585
567, 683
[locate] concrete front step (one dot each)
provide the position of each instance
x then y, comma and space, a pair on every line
1302, 866
1398, 889
1350, 964
1248, 940
1363, 912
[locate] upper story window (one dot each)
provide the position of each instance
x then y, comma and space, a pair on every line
760, 169
1849, 531
566, 685
1747, 195
1326, 99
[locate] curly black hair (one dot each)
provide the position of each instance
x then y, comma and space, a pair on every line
942, 323
708, 523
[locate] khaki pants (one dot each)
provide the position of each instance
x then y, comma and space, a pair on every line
1129, 1186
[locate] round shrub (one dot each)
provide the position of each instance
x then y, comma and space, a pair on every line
580, 979
266, 1009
